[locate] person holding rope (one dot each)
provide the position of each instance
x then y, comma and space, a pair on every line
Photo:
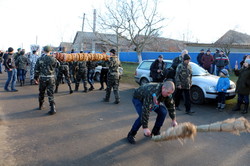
155, 97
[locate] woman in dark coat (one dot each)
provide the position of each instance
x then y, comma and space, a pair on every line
243, 86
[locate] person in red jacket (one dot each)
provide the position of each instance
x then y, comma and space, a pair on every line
207, 60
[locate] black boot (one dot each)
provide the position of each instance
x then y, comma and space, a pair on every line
70, 89
31, 82
101, 88
245, 111
237, 107
91, 88
56, 90
156, 131
76, 87
21, 83
41, 107
117, 101
131, 137
52, 109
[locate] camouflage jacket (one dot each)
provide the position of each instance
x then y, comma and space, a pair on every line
22, 62
45, 66
81, 66
144, 94
63, 66
183, 76
113, 64
91, 65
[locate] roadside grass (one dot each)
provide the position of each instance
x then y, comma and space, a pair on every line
129, 73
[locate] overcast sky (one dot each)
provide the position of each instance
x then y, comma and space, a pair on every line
53, 21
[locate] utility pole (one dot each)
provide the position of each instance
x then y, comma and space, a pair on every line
83, 19
94, 24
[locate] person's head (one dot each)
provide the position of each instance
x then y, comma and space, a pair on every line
186, 59
22, 52
19, 50
47, 49
10, 50
184, 52
72, 51
112, 52
160, 58
64, 49
81, 51
104, 51
168, 88
34, 52
247, 62
202, 50
208, 52
217, 50
224, 73
221, 52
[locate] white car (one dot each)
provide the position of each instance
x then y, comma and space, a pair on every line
98, 72
203, 83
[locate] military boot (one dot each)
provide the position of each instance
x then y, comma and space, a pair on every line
85, 89
70, 89
131, 137
52, 109
76, 87
156, 131
21, 83
117, 101
237, 107
245, 111
41, 106
56, 90
31, 82
91, 88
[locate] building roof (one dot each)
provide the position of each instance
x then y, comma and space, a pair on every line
234, 37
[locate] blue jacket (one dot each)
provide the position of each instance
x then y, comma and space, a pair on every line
223, 83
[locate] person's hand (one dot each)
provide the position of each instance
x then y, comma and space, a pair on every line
174, 123
158, 71
245, 64
147, 132
10, 69
156, 102
179, 87
236, 65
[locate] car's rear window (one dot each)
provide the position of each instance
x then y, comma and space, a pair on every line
145, 65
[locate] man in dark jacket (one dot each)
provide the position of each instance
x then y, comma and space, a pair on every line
10, 67
1, 61
243, 86
152, 97
207, 61
156, 69
220, 61
199, 57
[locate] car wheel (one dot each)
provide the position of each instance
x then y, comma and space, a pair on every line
197, 95
97, 77
144, 81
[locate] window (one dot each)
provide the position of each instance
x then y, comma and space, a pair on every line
145, 65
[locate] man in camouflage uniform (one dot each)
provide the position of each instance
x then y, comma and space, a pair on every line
63, 70
82, 71
183, 82
152, 97
113, 78
45, 72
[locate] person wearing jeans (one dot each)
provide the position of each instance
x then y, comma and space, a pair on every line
11, 70
12, 77
148, 98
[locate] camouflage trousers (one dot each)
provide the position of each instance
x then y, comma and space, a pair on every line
113, 83
60, 77
32, 71
46, 83
82, 75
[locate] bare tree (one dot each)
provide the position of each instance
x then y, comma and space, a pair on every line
136, 21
